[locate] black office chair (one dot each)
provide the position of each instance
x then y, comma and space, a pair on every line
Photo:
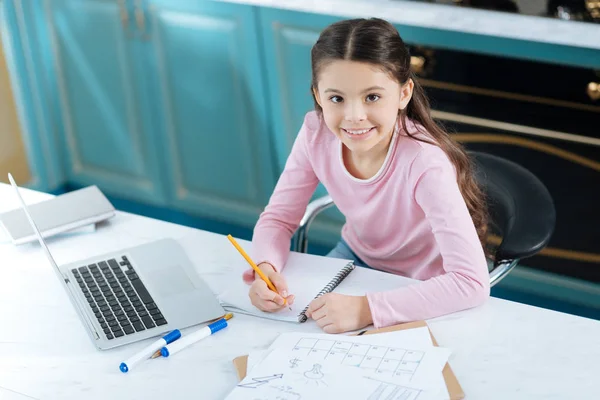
521, 210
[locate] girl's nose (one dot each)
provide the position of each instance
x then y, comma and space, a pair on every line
355, 113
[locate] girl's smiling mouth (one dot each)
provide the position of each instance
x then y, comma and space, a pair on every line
358, 134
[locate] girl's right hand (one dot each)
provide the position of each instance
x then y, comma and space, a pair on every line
264, 298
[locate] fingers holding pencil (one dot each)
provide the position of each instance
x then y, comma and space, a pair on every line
265, 299
282, 295
267, 273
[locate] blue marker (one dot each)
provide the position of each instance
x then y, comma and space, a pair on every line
200, 334
147, 351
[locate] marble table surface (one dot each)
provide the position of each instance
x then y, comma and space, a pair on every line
501, 350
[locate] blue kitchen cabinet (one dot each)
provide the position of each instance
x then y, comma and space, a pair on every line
102, 98
161, 102
210, 104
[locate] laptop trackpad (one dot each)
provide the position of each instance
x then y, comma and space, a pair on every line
171, 281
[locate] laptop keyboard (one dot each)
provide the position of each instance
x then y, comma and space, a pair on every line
119, 299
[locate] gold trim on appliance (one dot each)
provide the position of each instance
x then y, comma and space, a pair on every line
526, 130
593, 90
417, 63
593, 7
557, 253
543, 147
507, 95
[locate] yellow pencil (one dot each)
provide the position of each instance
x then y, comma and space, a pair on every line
255, 267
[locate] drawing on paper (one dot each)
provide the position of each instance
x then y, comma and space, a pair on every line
389, 391
314, 373
313, 376
388, 362
286, 392
257, 382
294, 362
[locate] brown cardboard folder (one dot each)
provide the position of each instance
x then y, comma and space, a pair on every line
454, 389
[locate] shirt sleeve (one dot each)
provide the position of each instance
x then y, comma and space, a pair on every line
465, 281
281, 217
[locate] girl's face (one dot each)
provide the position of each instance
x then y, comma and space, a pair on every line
360, 103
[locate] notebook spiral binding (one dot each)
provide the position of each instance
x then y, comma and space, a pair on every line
337, 279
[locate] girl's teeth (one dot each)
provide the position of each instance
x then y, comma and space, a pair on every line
358, 132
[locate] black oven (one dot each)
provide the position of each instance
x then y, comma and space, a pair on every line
543, 116
571, 10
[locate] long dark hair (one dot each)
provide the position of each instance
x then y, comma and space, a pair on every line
377, 42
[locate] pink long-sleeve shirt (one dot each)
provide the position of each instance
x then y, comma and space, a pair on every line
409, 219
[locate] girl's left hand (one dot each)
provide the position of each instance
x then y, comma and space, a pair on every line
336, 313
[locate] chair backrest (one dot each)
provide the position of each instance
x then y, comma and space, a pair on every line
520, 205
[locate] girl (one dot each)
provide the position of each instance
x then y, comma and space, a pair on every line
412, 206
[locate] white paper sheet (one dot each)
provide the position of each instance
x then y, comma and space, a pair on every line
389, 375
419, 337
281, 376
383, 356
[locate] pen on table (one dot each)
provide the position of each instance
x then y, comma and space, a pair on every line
255, 267
227, 317
194, 337
147, 351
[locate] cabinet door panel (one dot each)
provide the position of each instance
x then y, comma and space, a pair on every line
212, 108
99, 99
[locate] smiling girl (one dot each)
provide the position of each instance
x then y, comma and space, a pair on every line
406, 189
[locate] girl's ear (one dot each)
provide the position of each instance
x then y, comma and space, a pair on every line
316, 94
406, 92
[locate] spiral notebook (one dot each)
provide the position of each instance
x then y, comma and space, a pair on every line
307, 276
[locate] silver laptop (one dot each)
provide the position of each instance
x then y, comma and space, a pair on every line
134, 293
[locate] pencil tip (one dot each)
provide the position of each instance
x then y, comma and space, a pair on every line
228, 316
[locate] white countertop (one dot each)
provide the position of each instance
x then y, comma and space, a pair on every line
501, 350
451, 18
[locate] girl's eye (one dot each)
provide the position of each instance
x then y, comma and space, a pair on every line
372, 97
336, 99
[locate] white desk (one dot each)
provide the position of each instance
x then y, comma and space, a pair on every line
502, 350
